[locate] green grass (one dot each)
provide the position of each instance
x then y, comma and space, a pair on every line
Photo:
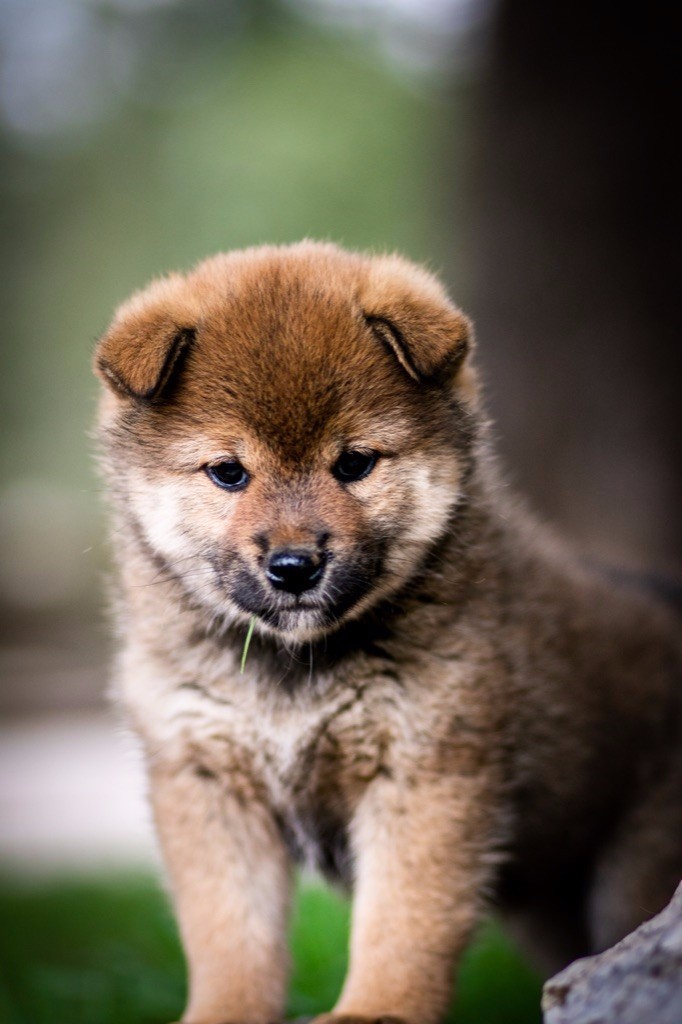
105, 951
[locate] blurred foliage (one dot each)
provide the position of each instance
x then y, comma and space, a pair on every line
105, 951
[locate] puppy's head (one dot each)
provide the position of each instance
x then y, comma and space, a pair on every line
287, 430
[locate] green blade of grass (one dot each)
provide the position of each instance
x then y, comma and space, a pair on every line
247, 642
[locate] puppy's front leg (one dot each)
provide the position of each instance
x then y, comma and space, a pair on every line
231, 881
421, 865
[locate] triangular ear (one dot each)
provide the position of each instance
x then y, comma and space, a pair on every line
410, 312
143, 350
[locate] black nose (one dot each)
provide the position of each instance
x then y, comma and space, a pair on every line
294, 570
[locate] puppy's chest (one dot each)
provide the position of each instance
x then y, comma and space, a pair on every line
309, 762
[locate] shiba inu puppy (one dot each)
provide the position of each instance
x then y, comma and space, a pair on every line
440, 705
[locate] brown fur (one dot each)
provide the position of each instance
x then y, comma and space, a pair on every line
460, 714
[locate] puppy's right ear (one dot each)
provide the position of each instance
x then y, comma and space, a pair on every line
141, 354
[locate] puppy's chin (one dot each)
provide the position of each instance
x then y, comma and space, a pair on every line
297, 621
298, 625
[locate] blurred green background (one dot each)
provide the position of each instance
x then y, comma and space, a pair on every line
509, 145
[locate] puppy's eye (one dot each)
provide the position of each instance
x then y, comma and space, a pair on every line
230, 475
352, 466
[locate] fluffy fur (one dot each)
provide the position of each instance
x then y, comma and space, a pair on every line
459, 714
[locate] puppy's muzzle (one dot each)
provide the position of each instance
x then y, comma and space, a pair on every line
295, 570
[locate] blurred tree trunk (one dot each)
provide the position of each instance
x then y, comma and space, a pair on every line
575, 288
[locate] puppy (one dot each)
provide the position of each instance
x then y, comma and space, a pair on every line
440, 705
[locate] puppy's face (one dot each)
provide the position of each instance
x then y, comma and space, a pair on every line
286, 430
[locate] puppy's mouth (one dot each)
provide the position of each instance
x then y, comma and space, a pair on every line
314, 612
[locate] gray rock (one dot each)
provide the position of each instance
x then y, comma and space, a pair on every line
637, 981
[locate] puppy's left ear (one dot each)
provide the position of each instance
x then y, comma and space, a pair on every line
410, 312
